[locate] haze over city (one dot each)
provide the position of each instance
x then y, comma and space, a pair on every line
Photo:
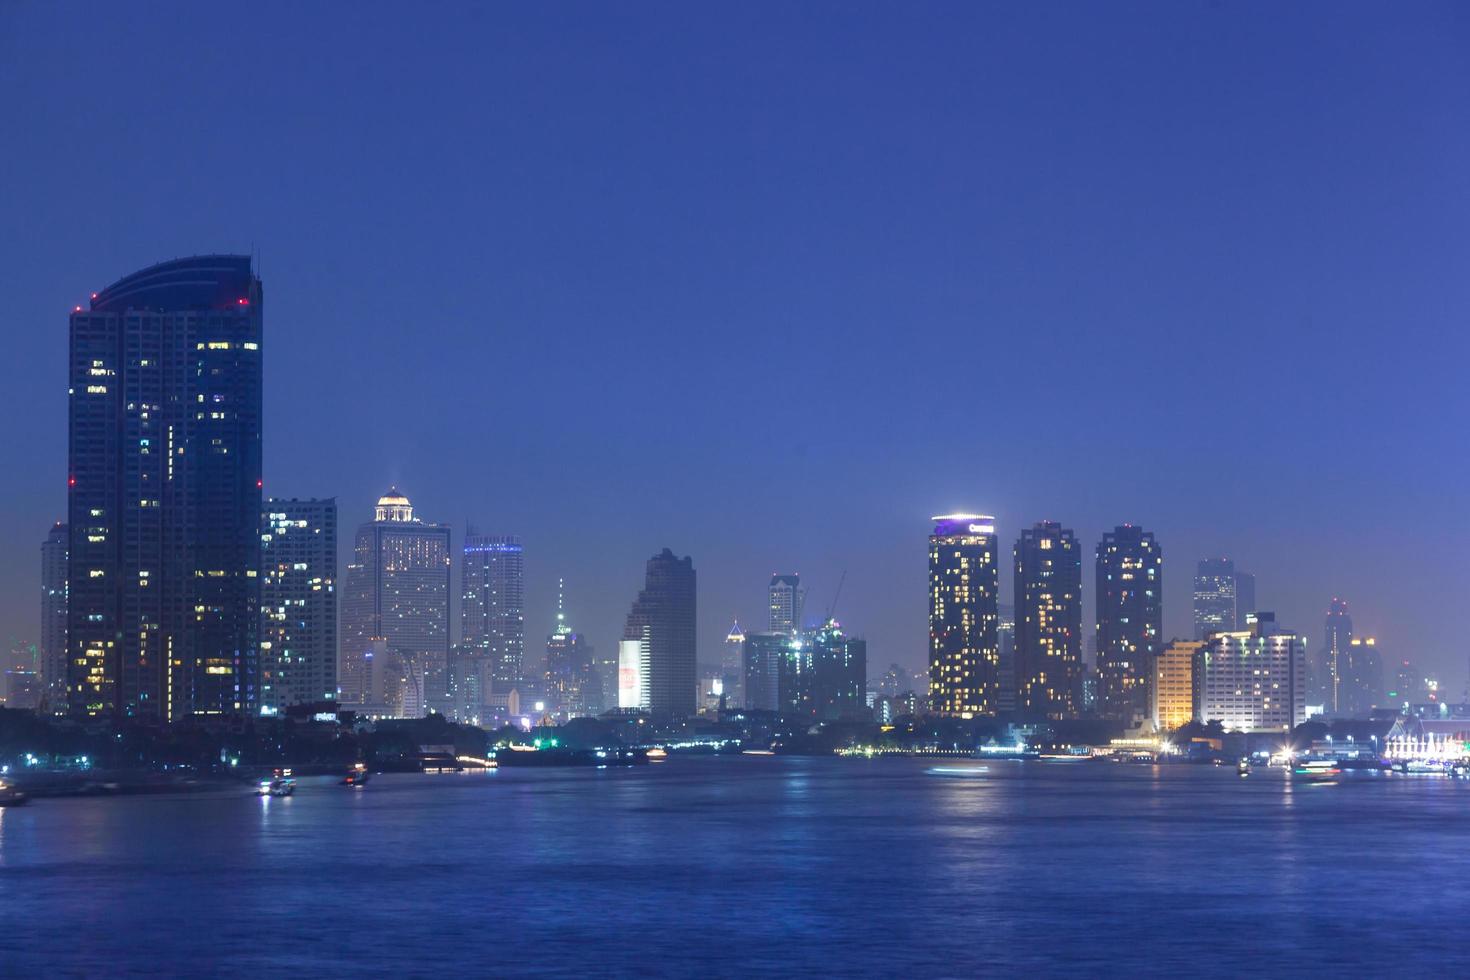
774, 305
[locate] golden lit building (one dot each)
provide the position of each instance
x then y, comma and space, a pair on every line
964, 647
1174, 684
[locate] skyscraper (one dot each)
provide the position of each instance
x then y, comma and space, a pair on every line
1253, 680
823, 676
1331, 662
964, 650
1245, 597
298, 602
1048, 568
53, 619
164, 487
1215, 597
570, 677
397, 590
1361, 689
787, 599
1005, 635
492, 604
1130, 620
732, 666
662, 620
763, 655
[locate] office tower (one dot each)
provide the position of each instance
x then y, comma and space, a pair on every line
397, 590
164, 478
1215, 598
732, 666
662, 620
492, 603
787, 600
823, 676
1130, 621
298, 602
964, 647
570, 678
1245, 597
1361, 687
1048, 618
1330, 662
1005, 637
1253, 680
53, 619
1174, 688
763, 655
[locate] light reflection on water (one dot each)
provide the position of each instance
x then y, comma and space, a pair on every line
776, 866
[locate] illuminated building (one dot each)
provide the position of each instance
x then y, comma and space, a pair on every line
1331, 662
397, 590
964, 646
662, 620
1253, 680
570, 678
298, 603
632, 669
1048, 623
787, 600
1130, 621
1174, 688
492, 615
53, 619
1214, 598
164, 488
823, 676
1361, 688
732, 667
763, 654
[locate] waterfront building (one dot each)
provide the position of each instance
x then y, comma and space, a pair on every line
662, 620
570, 676
787, 600
964, 646
763, 655
732, 667
1253, 680
53, 620
823, 675
164, 490
1130, 621
1215, 597
397, 591
492, 603
1174, 688
298, 602
1048, 623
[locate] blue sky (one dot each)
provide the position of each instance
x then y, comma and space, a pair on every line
770, 284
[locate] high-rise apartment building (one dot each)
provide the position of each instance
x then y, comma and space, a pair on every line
964, 653
1048, 617
1253, 680
298, 603
662, 620
492, 604
787, 600
1174, 687
53, 620
397, 591
1130, 621
164, 488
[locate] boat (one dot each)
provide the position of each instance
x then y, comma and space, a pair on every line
1243, 767
281, 783
1316, 770
657, 754
10, 796
358, 775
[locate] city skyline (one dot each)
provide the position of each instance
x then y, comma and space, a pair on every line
1130, 273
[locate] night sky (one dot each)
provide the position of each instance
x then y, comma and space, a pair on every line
770, 284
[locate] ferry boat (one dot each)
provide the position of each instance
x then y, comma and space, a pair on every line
10, 796
281, 783
1316, 770
358, 775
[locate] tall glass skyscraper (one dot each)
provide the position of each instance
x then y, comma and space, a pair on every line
298, 603
787, 599
1048, 569
397, 592
1330, 669
662, 621
964, 648
164, 478
492, 604
1130, 621
53, 619
732, 666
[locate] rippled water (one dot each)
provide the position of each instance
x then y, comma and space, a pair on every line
723, 866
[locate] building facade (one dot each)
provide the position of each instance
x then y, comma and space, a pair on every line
1130, 621
787, 599
571, 679
298, 603
964, 646
53, 620
1214, 597
397, 591
1253, 680
1048, 623
164, 491
1330, 665
823, 676
732, 666
763, 655
662, 620
1174, 688
492, 603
